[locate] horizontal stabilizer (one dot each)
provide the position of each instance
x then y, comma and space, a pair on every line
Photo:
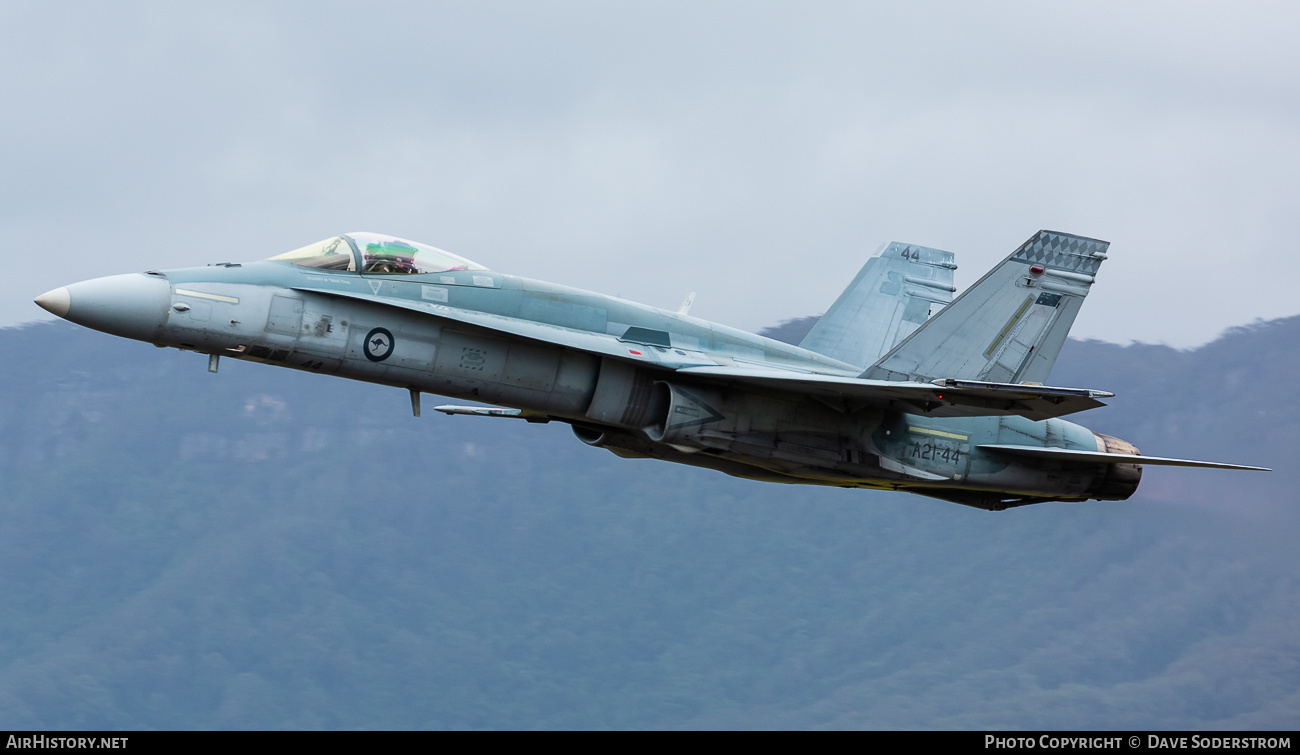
1097, 457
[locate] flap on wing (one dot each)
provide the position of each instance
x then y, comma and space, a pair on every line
1098, 457
966, 398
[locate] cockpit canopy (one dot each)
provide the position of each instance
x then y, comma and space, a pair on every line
376, 254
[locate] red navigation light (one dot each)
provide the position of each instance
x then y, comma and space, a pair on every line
1037, 269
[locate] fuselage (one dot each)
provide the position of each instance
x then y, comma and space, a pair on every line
479, 335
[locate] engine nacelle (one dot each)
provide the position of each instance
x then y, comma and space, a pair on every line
591, 436
679, 415
619, 443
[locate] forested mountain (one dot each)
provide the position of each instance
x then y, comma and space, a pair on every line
267, 548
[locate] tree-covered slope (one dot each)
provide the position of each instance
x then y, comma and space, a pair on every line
266, 548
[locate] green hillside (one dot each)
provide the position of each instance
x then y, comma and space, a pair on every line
264, 548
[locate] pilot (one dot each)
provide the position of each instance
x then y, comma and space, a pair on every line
391, 265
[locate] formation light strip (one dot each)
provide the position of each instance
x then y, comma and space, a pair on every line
205, 295
938, 433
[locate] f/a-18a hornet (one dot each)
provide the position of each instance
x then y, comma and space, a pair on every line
900, 386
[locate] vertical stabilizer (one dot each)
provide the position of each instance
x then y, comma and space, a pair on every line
1009, 327
890, 298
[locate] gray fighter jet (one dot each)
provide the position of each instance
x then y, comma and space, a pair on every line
898, 387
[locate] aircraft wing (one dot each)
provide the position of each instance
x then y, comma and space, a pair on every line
583, 340
942, 398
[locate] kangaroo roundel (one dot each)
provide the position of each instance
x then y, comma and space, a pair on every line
379, 345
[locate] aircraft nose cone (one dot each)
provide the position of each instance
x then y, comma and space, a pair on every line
55, 302
131, 306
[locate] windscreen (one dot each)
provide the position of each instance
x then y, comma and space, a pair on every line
330, 254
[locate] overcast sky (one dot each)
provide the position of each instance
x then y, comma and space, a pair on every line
754, 152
